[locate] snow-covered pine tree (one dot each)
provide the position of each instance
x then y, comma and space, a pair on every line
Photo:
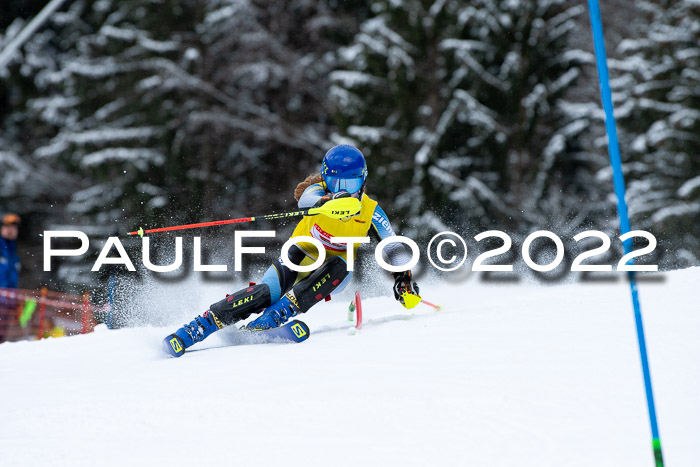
27, 185
511, 69
181, 109
657, 97
269, 63
463, 108
169, 111
91, 114
178, 103
388, 94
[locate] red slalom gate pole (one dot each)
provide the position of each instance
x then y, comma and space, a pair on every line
42, 313
87, 320
355, 311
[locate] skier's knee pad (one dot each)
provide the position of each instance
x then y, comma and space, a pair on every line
241, 304
320, 283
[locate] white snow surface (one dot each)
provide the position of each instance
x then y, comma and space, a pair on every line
505, 375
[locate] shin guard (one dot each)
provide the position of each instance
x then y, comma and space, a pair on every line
319, 285
242, 304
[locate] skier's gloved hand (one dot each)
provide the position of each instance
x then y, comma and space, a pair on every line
403, 284
330, 196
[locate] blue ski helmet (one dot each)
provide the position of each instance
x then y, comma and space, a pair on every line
344, 169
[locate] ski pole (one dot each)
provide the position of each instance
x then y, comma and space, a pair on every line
335, 209
410, 300
437, 307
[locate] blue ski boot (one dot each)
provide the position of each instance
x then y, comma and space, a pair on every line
190, 334
276, 314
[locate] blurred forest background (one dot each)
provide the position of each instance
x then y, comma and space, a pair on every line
473, 115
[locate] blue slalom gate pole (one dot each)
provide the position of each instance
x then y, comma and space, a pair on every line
619, 182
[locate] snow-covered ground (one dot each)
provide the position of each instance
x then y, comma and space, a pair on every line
505, 375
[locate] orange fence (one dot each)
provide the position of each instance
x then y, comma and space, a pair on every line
33, 314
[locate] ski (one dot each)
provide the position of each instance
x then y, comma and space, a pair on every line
293, 331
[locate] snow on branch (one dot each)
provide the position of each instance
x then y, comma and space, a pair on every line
114, 32
567, 15
565, 80
466, 57
352, 79
373, 135
660, 106
628, 46
536, 98
475, 186
660, 132
477, 112
378, 27
684, 118
110, 135
346, 100
395, 56
452, 163
560, 30
15, 173
108, 67
231, 10
687, 54
141, 158
466, 45
109, 109
670, 35
676, 210
51, 150
94, 198
262, 132
688, 187
555, 146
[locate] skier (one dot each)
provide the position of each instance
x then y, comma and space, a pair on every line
283, 293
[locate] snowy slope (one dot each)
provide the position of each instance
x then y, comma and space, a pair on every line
505, 375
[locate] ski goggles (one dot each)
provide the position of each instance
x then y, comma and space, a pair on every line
337, 184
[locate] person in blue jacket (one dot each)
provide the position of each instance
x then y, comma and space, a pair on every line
9, 261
